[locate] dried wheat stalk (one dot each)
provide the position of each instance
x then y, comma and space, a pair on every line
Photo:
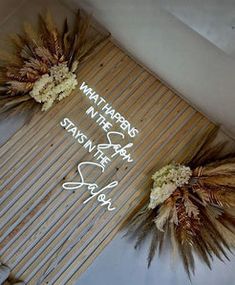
198, 217
44, 61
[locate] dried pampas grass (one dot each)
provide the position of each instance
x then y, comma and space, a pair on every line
198, 217
44, 62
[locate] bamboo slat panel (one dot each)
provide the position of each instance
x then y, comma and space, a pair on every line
47, 234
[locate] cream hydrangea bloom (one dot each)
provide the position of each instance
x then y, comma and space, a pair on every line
166, 181
55, 86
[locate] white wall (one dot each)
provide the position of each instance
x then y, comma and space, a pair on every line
189, 63
213, 19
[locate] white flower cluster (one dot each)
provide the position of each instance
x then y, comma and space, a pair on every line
55, 86
166, 180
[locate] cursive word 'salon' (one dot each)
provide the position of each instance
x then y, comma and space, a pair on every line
95, 190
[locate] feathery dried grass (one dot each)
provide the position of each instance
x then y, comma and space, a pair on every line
198, 218
36, 50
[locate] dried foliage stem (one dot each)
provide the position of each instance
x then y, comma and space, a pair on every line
197, 216
43, 65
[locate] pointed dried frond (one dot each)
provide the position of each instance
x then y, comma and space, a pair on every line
215, 181
139, 221
191, 209
217, 196
9, 59
38, 52
37, 65
17, 42
187, 227
164, 214
220, 168
198, 218
50, 35
7, 103
208, 155
200, 155
27, 51
153, 246
49, 21
92, 47
31, 35
79, 37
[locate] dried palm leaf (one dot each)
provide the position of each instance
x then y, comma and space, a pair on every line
42, 67
192, 206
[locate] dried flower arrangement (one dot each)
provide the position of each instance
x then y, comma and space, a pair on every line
42, 69
43, 65
192, 206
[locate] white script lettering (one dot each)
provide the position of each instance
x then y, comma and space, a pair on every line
95, 190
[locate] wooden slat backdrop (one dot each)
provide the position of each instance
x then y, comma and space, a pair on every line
43, 225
